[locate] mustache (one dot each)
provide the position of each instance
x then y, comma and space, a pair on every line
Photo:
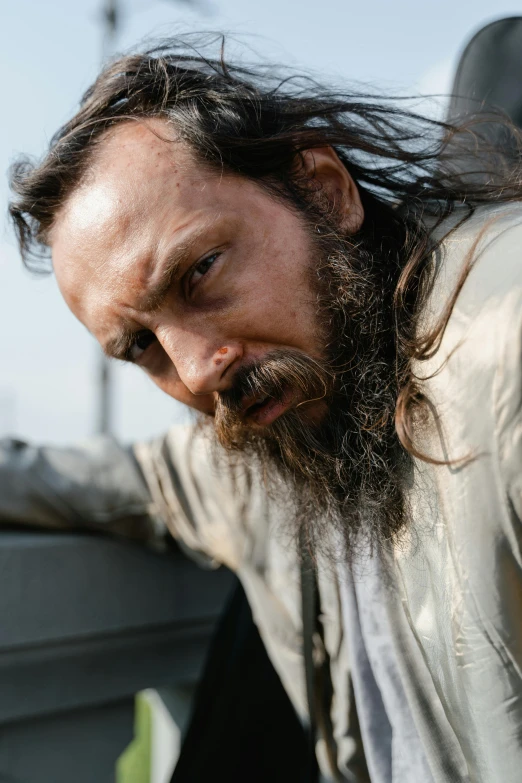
271, 377
338, 460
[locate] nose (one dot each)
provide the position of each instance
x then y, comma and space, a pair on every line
203, 369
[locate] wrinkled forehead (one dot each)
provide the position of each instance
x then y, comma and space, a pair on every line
140, 178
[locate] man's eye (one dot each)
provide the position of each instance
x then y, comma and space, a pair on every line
140, 345
201, 269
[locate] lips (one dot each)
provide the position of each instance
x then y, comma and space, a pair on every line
264, 411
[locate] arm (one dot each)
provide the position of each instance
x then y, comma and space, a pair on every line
95, 485
212, 505
138, 492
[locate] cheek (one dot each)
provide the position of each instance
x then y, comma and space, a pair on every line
274, 302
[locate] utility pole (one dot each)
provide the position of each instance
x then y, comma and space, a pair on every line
110, 20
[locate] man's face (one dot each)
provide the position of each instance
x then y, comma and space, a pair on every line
233, 304
190, 274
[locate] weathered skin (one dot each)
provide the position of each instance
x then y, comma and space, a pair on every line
145, 197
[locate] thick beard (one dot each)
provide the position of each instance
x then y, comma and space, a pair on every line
343, 471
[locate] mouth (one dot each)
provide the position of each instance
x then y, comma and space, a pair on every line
266, 410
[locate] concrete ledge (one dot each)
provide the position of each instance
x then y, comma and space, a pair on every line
85, 623
58, 586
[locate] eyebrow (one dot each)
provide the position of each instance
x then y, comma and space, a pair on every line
155, 296
119, 346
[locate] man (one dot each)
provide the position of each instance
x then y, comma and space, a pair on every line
342, 307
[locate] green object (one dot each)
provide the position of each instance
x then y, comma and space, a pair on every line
133, 766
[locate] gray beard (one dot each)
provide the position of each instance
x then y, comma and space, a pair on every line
342, 473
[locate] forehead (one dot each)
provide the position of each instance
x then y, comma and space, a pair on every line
141, 189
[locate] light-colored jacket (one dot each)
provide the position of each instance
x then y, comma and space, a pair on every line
454, 599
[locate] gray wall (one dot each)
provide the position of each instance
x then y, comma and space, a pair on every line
85, 623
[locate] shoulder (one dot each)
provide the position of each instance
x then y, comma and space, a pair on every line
484, 343
489, 245
484, 253
474, 378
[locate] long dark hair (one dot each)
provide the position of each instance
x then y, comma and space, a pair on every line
256, 124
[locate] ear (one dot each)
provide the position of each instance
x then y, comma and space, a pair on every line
331, 177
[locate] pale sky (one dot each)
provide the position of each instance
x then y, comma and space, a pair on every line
49, 53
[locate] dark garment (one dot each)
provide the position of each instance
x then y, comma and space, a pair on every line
243, 726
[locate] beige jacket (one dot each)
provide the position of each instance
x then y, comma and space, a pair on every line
455, 595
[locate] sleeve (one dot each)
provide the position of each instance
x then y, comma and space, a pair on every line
210, 505
94, 485
484, 353
508, 405
503, 331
